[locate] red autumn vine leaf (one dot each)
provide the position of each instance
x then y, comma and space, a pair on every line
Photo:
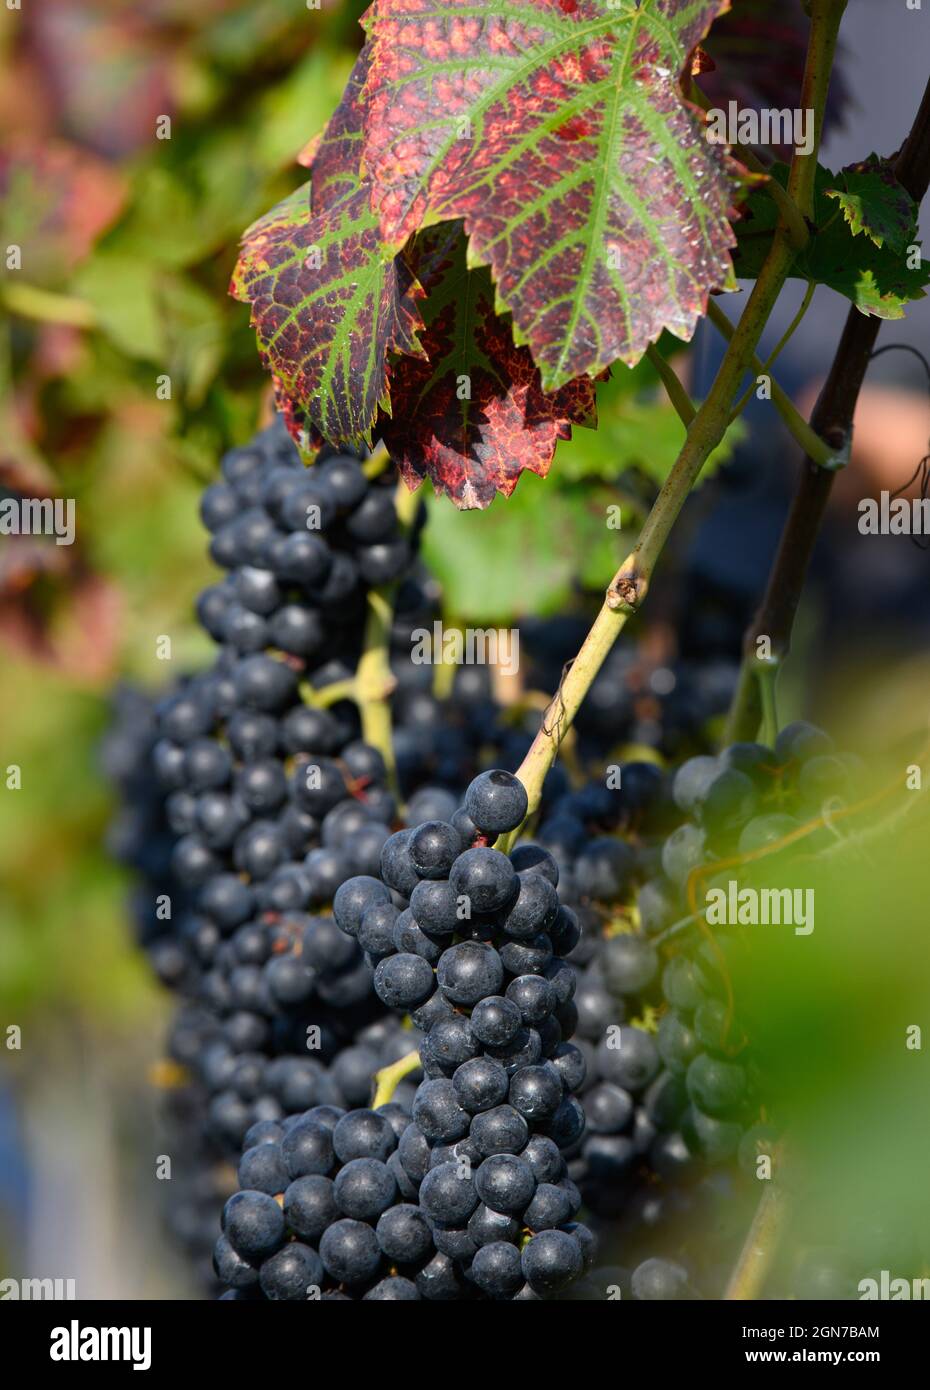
335, 165
472, 415
328, 305
557, 130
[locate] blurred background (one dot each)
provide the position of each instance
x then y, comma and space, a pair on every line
127, 243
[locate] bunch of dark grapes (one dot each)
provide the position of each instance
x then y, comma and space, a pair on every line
674, 1098
139, 835
301, 546
326, 1211
641, 696
209, 1093
470, 942
243, 809
578, 1044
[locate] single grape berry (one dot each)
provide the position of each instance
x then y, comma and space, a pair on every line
496, 802
485, 878
433, 848
470, 972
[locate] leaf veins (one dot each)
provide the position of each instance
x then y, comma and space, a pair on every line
558, 132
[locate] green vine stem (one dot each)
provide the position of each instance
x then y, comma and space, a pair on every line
779, 348
793, 326
389, 1078
816, 449
631, 582
676, 392
832, 421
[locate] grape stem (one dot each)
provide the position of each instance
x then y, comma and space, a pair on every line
755, 1260
832, 420
389, 1078
631, 582
374, 682
676, 392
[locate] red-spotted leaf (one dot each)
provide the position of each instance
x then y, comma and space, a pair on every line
327, 310
875, 204
473, 415
297, 422
335, 160
557, 130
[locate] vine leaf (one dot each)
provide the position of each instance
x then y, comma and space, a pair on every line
334, 159
875, 204
327, 310
328, 306
880, 281
472, 415
557, 130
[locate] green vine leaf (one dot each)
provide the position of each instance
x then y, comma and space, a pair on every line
878, 279
634, 431
508, 560
875, 205
557, 130
472, 415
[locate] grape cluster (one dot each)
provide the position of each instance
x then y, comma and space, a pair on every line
752, 796
203, 1115
640, 697
470, 942
300, 546
326, 1210
577, 1043
269, 802
673, 1094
